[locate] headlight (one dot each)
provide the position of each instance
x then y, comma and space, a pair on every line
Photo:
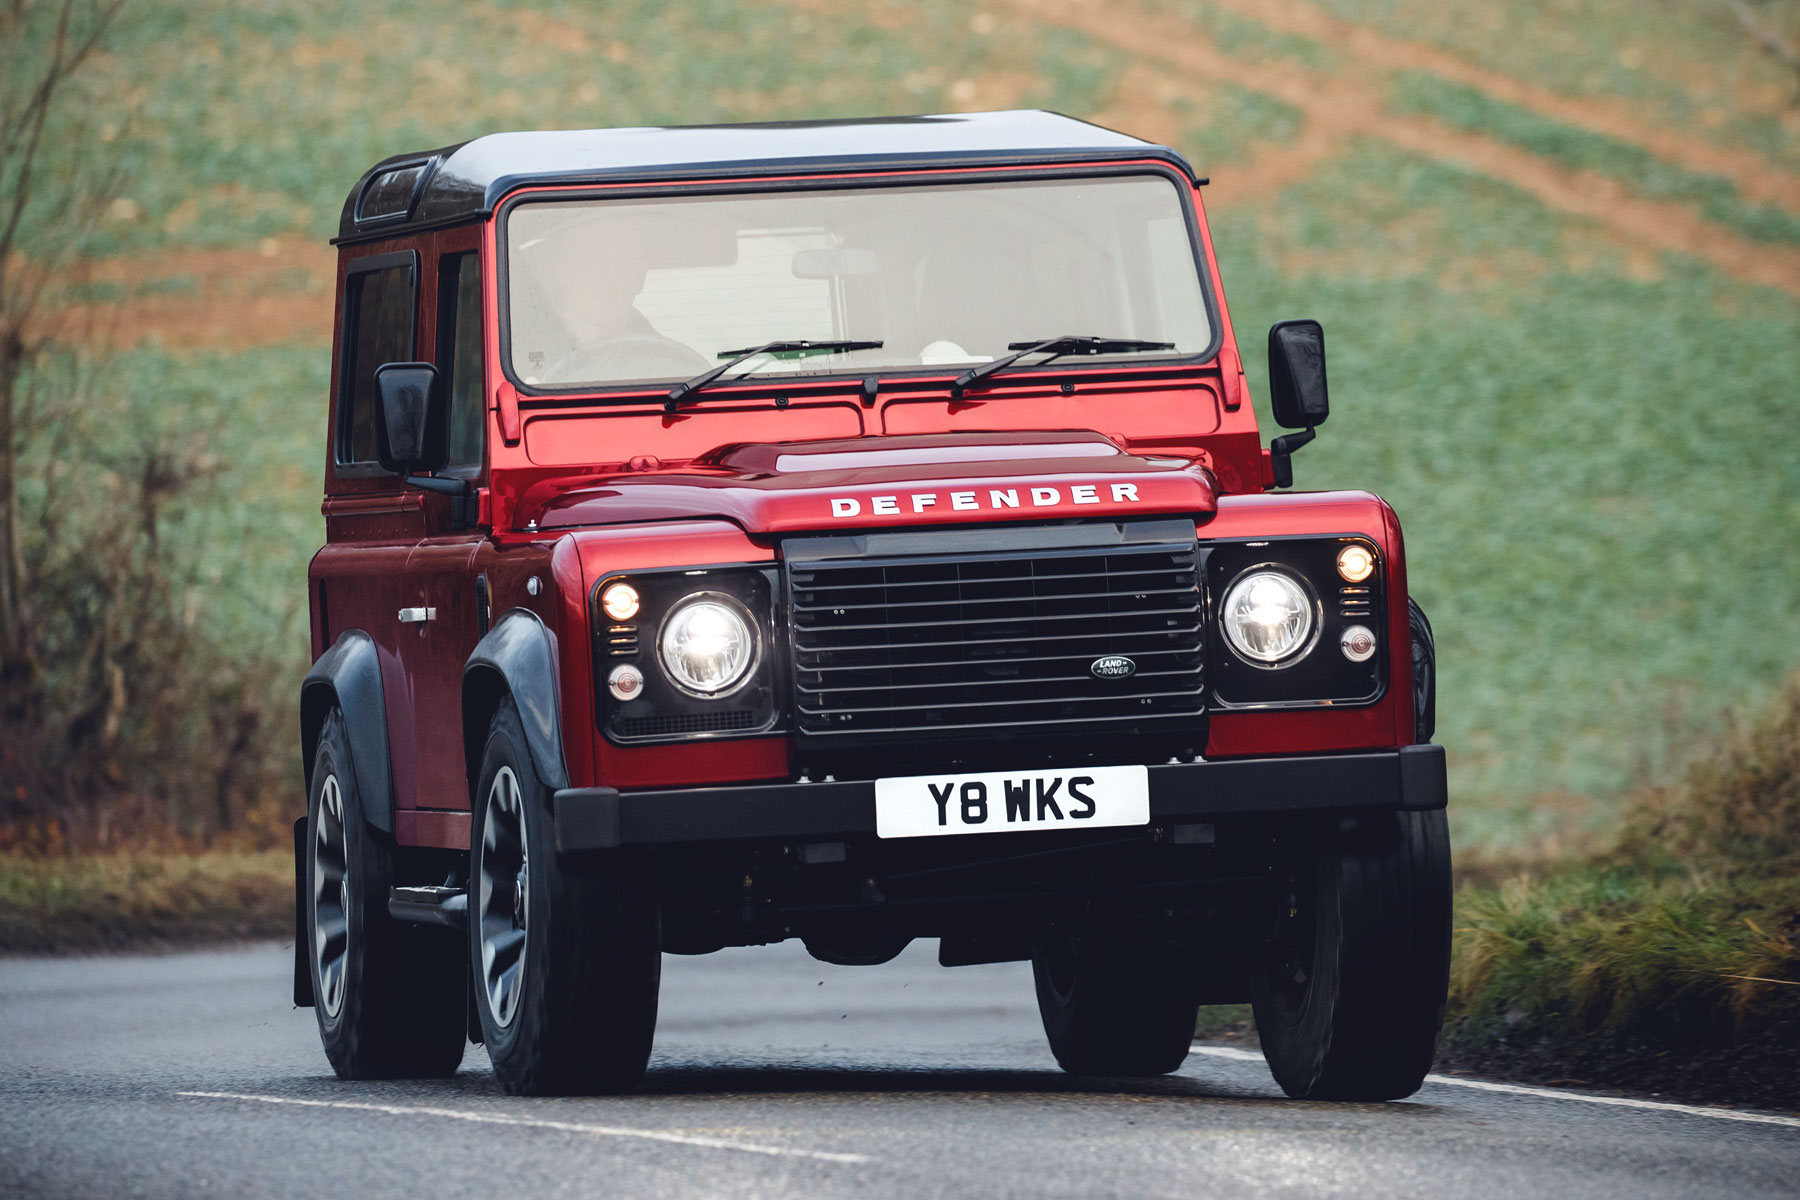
1268, 616
707, 645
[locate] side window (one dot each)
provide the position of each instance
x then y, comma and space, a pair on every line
378, 328
459, 353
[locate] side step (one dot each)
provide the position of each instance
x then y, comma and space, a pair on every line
446, 906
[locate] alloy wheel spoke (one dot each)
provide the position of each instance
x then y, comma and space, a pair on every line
330, 896
506, 993
332, 936
504, 951
502, 871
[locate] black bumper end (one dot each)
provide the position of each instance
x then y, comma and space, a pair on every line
1412, 777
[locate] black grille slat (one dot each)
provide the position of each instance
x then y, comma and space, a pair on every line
1013, 620
802, 580
1103, 643
1035, 659
1138, 592
1111, 641
997, 640
838, 689
1093, 701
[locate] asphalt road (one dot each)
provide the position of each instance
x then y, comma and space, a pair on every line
774, 1075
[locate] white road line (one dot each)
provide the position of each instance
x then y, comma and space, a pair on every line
454, 1114
1519, 1089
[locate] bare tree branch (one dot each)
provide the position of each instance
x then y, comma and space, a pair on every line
19, 161
33, 81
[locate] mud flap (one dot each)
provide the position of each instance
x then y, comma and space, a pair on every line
303, 991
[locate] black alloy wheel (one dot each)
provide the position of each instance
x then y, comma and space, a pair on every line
388, 996
566, 953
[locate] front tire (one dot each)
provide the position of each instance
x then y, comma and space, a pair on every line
1350, 995
567, 959
1424, 672
388, 996
1116, 1000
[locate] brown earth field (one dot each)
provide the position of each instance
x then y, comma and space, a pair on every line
279, 291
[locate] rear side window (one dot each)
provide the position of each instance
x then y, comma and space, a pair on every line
459, 353
379, 307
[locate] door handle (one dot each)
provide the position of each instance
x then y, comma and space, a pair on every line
412, 616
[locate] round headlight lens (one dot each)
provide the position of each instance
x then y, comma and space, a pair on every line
707, 646
1268, 616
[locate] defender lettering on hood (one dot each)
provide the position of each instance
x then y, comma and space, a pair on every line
890, 480
994, 499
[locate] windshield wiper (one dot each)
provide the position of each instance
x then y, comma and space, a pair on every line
796, 349
1055, 347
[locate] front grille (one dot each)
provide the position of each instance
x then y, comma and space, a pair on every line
948, 643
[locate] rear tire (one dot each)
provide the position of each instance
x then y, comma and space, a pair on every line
1350, 995
566, 957
388, 996
1118, 1001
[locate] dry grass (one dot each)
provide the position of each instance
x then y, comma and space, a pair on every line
114, 902
1672, 960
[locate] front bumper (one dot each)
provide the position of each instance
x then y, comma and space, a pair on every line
1410, 778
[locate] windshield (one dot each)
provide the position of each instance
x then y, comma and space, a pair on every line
612, 291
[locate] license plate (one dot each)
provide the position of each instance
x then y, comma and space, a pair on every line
1010, 801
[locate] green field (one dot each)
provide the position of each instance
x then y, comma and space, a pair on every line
1586, 429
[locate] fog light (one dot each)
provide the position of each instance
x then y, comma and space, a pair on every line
626, 682
1355, 563
1358, 643
620, 601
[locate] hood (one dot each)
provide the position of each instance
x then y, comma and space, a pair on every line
876, 482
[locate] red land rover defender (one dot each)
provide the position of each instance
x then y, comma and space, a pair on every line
855, 532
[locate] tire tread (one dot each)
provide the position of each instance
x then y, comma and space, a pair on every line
1382, 968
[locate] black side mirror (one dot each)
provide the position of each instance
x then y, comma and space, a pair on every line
411, 429
1297, 390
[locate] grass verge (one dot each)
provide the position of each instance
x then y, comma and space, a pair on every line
1671, 963
1614, 976
134, 902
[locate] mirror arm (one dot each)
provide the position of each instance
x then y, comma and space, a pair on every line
1281, 452
462, 496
